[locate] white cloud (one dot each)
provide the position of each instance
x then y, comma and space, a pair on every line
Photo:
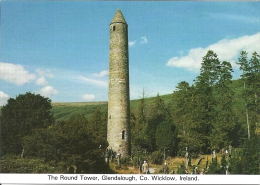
42, 72
15, 74
235, 17
143, 40
101, 74
93, 81
226, 49
131, 43
47, 91
89, 97
41, 81
3, 98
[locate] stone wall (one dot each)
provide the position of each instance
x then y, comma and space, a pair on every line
118, 133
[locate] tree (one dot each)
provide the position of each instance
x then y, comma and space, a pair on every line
182, 113
157, 115
247, 161
20, 116
98, 124
72, 142
244, 66
140, 142
141, 116
166, 137
204, 113
250, 156
254, 82
224, 117
214, 167
250, 76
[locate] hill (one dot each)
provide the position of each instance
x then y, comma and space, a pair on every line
64, 110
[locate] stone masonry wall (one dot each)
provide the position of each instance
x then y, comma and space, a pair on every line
118, 133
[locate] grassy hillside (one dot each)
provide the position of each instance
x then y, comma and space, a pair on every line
63, 110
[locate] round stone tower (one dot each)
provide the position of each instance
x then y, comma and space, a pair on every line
118, 128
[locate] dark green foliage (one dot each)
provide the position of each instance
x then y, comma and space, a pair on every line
156, 116
235, 166
245, 161
20, 116
214, 167
181, 169
251, 90
75, 141
14, 164
224, 115
204, 110
157, 157
166, 137
251, 156
223, 164
126, 161
139, 125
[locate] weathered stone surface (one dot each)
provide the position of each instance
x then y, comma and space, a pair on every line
118, 128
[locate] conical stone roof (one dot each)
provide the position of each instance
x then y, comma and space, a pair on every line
118, 18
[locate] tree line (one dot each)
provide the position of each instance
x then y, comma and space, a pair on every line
203, 116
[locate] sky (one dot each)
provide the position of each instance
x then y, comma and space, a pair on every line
60, 49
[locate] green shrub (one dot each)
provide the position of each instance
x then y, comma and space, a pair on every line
181, 169
126, 161
157, 157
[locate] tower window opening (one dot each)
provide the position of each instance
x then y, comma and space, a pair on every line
114, 28
123, 134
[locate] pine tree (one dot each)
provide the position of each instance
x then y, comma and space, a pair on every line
254, 82
224, 117
244, 66
157, 115
250, 76
204, 113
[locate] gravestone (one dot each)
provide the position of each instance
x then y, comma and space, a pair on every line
71, 169
199, 161
214, 153
230, 149
207, 162
189, 161
118, 159
187, 157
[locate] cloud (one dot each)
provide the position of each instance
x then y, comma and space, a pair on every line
47, 91
235, 17
89, 97
14, 73
101, 74
226, 49
143, 40
3, 98
43, 73
41, 81
131, 43
46, 72
93, 81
